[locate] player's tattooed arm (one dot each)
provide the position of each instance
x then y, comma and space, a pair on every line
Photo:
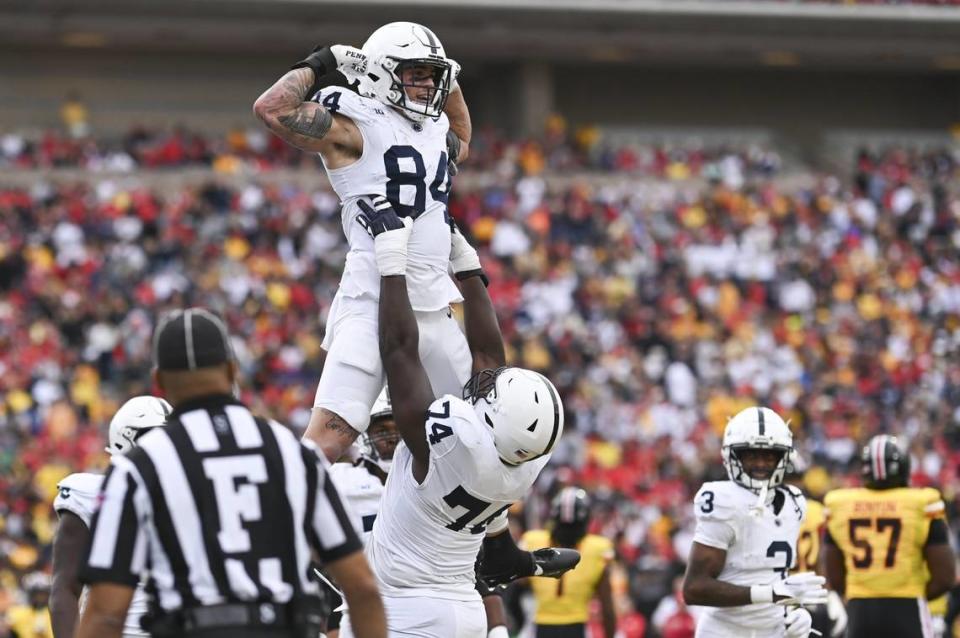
331, 433
306, 125
700, 584
313, 123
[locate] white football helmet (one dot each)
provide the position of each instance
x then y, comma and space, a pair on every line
382, 409
755, 428
402, 44
136, 415
522, 407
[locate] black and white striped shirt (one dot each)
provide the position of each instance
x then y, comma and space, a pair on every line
218, 506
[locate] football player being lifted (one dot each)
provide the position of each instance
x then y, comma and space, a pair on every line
745, 541
463, 463
75, 504
397, 136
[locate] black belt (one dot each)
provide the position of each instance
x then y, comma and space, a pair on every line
303, 616
236, 615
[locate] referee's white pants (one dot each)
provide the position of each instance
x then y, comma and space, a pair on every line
353, 373
428, 618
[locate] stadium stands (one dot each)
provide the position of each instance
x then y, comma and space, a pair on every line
655, 305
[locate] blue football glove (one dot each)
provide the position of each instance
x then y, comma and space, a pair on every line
390, 233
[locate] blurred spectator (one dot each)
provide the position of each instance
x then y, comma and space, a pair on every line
250, 150
74, 115
32, 619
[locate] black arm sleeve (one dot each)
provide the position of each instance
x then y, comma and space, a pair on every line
939, 534
503, 561
333, 78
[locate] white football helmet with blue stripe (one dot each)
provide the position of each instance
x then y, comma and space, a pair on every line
523, 409
755, 428
395, 46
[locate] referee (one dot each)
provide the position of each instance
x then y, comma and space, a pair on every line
220, 510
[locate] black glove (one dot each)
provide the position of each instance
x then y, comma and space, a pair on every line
453, 152
501, 573
377, 215
504, 562
554, 562
321, 60
549, 562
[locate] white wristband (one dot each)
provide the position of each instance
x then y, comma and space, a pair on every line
498, 632
391, 262
761, 594
390, 249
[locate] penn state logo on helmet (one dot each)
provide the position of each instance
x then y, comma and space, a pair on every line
133, 419
755, 428
523, 409
393, 50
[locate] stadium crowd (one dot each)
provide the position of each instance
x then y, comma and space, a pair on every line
252, 150
659, 307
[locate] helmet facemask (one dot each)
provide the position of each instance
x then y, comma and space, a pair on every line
756, 428
379, 442
738, 473
441, 74
482, 385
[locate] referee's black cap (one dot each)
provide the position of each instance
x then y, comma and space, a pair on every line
191, 339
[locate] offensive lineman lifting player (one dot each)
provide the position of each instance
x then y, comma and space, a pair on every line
463, 462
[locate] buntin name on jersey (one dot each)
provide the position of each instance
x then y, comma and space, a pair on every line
745, 543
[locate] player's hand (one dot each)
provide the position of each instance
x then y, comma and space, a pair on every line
390, 233
554, 562
463, 256
799, 623
805, 588
453, 152
350, 61
549, 562
837, 614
